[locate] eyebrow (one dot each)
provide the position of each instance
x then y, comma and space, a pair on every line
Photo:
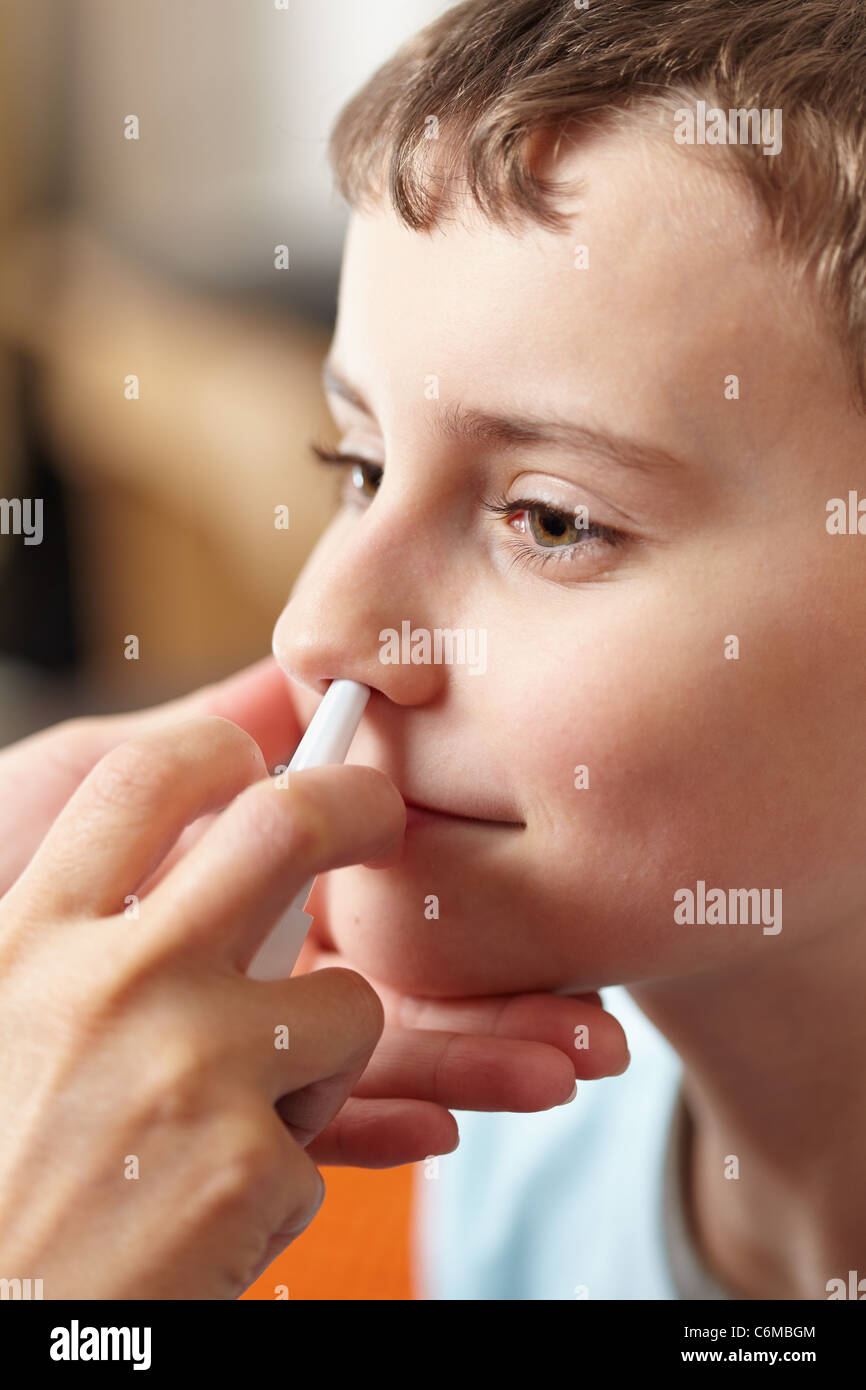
469, 425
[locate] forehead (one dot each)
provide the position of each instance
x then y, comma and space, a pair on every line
647, 209
677, 286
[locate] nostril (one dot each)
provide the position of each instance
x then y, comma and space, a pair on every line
306, 683
298, 658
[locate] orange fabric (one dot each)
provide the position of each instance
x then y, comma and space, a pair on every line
358, 1245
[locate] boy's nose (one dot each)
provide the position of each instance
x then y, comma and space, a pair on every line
335, 622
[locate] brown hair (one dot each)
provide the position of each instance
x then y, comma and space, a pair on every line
498, 73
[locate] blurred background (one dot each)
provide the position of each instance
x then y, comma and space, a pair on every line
154, 258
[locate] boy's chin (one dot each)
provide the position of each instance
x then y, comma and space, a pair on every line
385, 938
423, 971
380, 941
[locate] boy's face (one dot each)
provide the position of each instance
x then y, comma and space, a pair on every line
609, 653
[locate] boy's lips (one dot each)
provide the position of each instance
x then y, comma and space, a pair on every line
418, 813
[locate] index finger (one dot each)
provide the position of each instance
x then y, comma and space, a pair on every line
238, 879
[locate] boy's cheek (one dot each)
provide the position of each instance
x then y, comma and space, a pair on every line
585, 897
646, 759
449, 935
445, 932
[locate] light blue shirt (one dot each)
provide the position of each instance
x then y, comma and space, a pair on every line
566, 1204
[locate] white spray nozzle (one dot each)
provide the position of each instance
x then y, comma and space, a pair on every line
326, 740
332, 727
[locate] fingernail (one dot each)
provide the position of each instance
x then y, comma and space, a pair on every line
570, 1098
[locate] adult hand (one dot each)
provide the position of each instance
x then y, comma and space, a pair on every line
142, 1154
510, 1052
513, 1053
39, 774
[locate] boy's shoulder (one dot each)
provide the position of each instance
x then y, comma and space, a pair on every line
575, 1202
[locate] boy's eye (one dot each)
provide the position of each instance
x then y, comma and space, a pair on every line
569, 538
551, 529
366, 478
566, 538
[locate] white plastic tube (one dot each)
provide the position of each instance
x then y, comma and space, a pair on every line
327, 739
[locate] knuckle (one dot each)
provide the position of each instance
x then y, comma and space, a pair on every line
173, 1080
244, 1168
125, 772
302, 1194
88, 998
292, 819
110, 1000
151, 764
234, 742
115, 983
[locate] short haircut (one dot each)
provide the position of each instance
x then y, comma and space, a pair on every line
495, 74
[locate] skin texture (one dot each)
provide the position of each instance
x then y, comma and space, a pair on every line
742, 773
189, 1102
113, 1030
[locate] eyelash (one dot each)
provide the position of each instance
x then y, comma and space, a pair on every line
499, 505
325, 455
525, 555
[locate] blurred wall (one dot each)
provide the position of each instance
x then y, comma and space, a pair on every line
155, 258
235, 100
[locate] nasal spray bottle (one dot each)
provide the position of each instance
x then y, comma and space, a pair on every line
326, 740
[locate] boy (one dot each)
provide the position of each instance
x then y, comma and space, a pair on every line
599, 375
